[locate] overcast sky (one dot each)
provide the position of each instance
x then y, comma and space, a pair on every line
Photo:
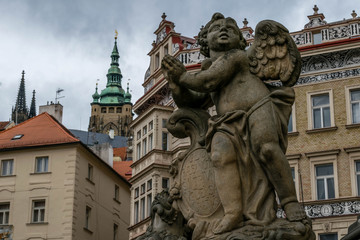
67, 43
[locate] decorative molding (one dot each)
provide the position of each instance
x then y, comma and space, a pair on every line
161, 35
328, 209
323, 153
332, 60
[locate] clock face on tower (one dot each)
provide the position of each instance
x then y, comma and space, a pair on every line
161, 35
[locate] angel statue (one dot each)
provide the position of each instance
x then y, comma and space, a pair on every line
246, 141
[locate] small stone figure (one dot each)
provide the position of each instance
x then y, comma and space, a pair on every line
247, 139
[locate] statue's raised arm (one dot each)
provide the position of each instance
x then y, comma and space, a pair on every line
273, 54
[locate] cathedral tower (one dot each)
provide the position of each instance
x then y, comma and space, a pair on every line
112, 108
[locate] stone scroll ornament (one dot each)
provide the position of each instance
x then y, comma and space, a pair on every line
224, 184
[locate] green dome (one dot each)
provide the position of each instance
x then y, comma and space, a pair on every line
96, 95
114, 69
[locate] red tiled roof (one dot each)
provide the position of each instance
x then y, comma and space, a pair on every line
40, 130
123, 168
3, 125
120, 152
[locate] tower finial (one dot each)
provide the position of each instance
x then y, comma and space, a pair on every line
316, 9
245, 22
116, 34
353, 14
163, 16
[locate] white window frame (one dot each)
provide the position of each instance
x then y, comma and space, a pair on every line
144, 146
44, 160
325, 179
328, 233
136, 212
90, 172
142, 208
150, 141
321, 158
310, 108
41, 211
294, 163
5, 219
348, 89
354, 156
138, 151
148, 204
9, 169
293, 115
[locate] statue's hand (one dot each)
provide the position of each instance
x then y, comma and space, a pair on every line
172, 69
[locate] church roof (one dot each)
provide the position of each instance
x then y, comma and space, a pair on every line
41, 130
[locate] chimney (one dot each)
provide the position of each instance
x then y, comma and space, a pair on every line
111, 133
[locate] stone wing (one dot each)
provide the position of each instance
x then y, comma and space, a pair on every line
273, 54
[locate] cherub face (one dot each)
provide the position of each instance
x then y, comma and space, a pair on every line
223, 35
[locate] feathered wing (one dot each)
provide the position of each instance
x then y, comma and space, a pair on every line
273, 54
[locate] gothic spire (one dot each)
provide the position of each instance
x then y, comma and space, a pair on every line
20, 111
32, 112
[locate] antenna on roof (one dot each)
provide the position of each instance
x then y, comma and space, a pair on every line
58, 91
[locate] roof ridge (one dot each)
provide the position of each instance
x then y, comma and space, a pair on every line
20, 124
61, 126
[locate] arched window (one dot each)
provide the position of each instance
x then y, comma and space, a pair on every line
103, 110
111, 110
118, 110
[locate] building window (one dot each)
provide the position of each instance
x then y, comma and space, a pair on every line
7, 167
87, 217
4, 213
111, 110
138, 135
150, 142
90, 172
164, 141
136, 192
325, 186
166, 50
136, 212
321, 116
144, 130
116, 192
142, 208
163, 124
151, 125
355, 106
116, 229
328, 236
38, 211
165, 183
317, 38
118, 110
142, 188
103, 110
41, 164
144, 147
290, 124
157, 61
149, 201
149, 183
357, 172
138, 151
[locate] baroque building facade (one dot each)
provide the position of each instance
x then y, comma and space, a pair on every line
323, 144
111, 110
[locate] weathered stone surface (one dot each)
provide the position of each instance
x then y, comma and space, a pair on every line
225, 183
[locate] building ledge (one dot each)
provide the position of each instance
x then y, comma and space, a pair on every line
116, 200
5, 176
37, 223
293, 133
136, 225
88, 230
40, 173
317, 130
354, 125
90, 181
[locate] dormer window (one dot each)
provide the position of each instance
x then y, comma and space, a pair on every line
17, 137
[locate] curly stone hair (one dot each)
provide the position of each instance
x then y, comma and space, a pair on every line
202, 36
